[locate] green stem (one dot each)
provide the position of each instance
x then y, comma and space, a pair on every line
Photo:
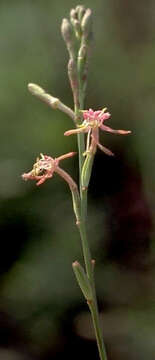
93, 304
98, 333
86, 250
81, 149
83, 234
80, 140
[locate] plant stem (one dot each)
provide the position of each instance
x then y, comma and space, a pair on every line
81, 143
98, 333
93, 304
83, 234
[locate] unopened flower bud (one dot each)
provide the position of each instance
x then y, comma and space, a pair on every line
82, 64
82, 52
76, 23
35, 89
68, 36
73, 77
77, 28
67, 31
40, 93
73, 14
86, 24
80, 11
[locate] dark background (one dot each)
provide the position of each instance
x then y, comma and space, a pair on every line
42, 312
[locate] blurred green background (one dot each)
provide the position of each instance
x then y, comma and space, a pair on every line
42, 311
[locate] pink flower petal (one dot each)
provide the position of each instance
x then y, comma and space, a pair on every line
65, 156
73, 131
113, 131
105, 150
105, 116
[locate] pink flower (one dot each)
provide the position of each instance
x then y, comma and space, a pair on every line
45, 167
93, 121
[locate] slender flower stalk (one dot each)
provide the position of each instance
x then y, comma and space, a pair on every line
77, 34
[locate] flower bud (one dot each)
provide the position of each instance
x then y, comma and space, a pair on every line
82, 52
82, 65
73, 14
40, 93
76, 23
77, 27
73, 77
66, 31
86, 24
35, 89
80, 9
68, 36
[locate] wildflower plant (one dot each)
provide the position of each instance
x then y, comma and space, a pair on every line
77, 34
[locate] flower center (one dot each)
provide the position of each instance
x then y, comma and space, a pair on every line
93, 123
42, 166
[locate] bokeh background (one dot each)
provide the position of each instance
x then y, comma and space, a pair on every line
42, 312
